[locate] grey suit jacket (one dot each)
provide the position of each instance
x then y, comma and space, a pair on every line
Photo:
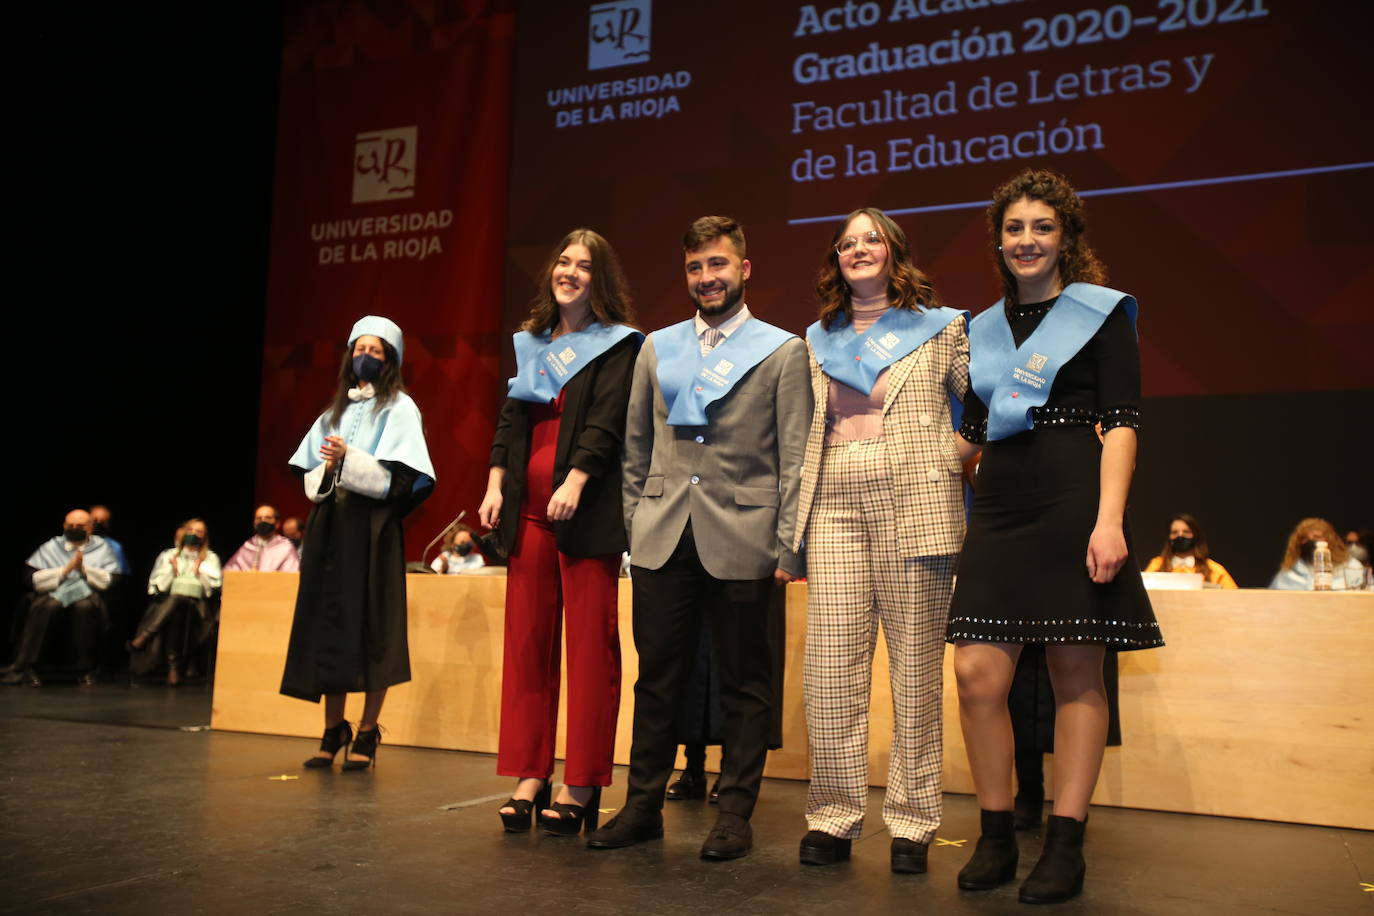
927, 478
736, 479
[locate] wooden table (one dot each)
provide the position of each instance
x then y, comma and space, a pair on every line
1261, 705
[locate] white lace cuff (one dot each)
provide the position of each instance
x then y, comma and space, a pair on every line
364, 475
313, 479
45, 580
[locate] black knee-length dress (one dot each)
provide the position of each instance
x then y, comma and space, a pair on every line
1022, 575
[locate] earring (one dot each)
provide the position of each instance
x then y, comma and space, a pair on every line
999, 247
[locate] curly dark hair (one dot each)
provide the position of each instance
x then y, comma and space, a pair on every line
1077, 262
609, 296
907, 287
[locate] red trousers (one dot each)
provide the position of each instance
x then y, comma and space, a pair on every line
542, 587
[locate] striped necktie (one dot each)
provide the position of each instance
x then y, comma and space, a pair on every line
710, 339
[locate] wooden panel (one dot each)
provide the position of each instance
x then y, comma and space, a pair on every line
1260, 706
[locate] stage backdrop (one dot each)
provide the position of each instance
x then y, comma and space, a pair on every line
1227, 174
390, 190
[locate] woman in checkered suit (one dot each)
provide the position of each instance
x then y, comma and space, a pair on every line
881, 512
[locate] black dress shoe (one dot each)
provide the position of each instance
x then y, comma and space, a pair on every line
691, 785
730, 838
86, 680
626, 829
22, 677
820, 848
908, 856
715, 792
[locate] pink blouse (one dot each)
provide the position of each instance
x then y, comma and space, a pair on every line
850, 414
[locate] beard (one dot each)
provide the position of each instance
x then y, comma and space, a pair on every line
732, 298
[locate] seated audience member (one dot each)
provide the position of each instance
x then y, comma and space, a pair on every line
460, 553
181, 615
293, 530
1295, 572
100, 522
1357, 545
1185, 551
69, 573
267, 550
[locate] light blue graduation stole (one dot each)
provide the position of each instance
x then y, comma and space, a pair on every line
544, 365
391, 433
1012, 380
858, 359
691, 382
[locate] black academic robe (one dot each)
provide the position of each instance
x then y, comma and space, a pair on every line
350, 632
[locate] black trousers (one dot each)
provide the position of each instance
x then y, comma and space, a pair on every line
87, 620
670, 604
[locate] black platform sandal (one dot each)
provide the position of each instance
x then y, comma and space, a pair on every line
365, 745
334, 739
572, 819
519, 820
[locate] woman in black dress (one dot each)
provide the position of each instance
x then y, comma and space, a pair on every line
365, 466
1047, 559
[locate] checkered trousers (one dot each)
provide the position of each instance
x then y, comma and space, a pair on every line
856, 578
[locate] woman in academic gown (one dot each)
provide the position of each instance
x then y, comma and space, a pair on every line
365, 465
554, 500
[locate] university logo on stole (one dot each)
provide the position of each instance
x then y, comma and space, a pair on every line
618, 33
1037, 362
384, 164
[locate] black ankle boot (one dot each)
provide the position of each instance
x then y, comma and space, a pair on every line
1059, 873
994, 858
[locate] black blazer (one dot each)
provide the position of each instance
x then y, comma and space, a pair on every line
590, 435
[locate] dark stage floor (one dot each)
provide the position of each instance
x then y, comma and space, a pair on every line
118, 801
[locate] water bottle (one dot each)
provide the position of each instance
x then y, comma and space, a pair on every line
1321, 568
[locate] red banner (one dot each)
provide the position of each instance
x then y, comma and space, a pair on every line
392, 147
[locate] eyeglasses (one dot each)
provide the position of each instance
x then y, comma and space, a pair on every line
871, 239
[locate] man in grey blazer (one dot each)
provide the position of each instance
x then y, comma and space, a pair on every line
716, 432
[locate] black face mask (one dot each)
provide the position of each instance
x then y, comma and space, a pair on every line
463, 549
1181, 545
1309, 551
75, 535
264, 529
102, 529
190, 540
367, 367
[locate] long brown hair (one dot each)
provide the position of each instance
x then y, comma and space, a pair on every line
1077, 262
204, 542
907, 287
387, 385
1200, 551
609, 297
1294, 549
